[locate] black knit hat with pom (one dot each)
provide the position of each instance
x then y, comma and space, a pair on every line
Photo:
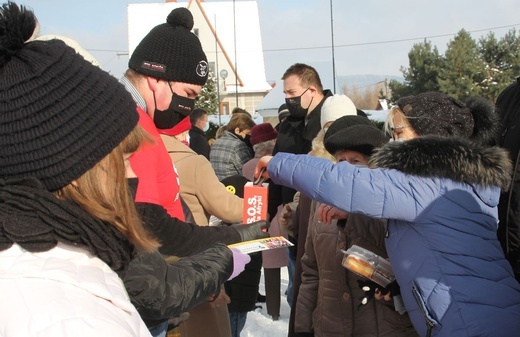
171, 52
59, 114
438, 114
435, 113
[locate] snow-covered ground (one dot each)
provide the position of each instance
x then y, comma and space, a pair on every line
260, 324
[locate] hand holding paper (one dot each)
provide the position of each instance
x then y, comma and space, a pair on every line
252, 231
239, 262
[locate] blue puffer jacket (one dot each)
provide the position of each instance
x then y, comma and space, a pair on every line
440, 196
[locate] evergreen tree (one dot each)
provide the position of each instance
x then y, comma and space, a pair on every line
502, 62
208, 98
425, 65
464, 70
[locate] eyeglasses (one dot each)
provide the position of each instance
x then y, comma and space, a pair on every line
396, 128
393, 128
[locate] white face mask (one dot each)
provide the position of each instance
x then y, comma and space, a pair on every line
400, 140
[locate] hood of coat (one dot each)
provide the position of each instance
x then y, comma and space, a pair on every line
453, 158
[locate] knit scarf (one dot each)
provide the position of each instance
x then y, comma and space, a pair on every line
36, 220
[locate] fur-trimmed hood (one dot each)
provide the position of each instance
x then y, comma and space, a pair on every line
453, 158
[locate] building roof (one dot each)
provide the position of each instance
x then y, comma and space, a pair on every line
216, 22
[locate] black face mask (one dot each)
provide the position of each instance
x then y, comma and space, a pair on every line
295, 107
179, 108
247, 140
132, 186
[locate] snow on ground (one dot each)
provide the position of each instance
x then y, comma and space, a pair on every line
260, 324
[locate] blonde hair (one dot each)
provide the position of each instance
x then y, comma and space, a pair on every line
109, 199
220, 131
134, 77
389, 122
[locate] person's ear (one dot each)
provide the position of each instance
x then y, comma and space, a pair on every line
237, 131
153, 83
313, 90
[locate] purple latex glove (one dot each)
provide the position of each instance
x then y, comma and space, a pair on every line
239, 262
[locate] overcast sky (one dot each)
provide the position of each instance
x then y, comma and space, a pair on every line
370, 37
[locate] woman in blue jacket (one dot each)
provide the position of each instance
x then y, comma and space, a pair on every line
438, 184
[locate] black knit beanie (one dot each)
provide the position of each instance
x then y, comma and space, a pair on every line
59, 114
435, 113
360, 138
283, 112
171, 52
346, 122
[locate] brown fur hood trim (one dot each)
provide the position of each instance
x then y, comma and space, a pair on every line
453, 158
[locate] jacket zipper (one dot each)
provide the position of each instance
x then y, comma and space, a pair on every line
429, 324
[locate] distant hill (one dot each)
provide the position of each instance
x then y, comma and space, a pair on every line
272, 101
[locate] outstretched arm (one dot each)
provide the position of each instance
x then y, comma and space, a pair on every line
160, 290
179, 238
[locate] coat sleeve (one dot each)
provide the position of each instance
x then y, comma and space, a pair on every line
308, 293
214, 197
378, 193
179, 238
161, 291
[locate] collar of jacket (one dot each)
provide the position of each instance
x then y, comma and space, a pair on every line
452, 158
230, 135
174, 145
311, 125
317, 110
197, 130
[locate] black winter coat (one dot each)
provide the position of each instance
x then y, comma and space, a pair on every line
508, 109
180, 238
294, 136
198, 142
159, 290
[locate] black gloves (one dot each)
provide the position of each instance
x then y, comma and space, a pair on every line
370, 288
252, 231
